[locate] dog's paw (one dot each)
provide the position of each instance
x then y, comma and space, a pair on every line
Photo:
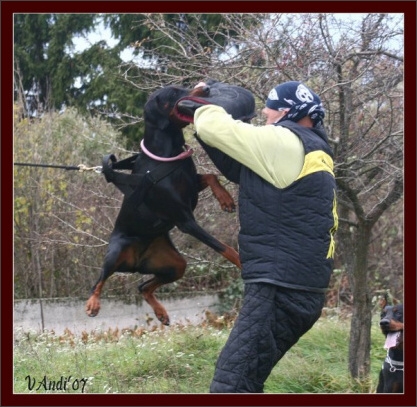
229, 207
164, 319
92, 307
225, 200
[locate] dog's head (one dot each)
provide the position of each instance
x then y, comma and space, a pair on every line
159, 108
392, 325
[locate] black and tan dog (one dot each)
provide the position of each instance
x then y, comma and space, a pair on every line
391, 376
165, 197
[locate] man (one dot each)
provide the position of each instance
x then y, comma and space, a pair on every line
287, 211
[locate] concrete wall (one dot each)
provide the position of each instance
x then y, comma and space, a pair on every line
59, 314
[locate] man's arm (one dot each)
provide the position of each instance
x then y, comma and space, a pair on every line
273, 152
229, 167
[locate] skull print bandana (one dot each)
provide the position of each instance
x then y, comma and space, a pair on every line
299, 99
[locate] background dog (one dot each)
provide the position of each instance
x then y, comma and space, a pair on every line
391, 375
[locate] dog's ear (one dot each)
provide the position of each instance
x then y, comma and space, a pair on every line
155, 114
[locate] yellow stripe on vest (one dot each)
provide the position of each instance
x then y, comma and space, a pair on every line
316, 161
332, 247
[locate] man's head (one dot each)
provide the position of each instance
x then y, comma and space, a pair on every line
294, 101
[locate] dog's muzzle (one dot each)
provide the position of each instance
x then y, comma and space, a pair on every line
186, 107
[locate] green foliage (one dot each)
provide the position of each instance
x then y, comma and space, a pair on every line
57, 210
181, 359
42, 61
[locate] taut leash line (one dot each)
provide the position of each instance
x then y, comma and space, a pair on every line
80, 167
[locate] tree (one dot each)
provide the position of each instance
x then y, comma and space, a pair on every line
50, 74
369, 150
46, 70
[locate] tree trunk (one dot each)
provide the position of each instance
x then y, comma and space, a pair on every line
360, 333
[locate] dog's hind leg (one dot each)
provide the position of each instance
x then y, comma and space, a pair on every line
192, 228
122, 255
92, 307
164, 261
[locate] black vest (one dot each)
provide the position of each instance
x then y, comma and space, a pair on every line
286, 235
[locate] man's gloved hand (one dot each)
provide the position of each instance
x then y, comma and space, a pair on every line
185, 108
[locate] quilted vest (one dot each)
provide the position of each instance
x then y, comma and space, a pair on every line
287, 235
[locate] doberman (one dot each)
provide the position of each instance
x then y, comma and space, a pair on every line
391, 375
140, 240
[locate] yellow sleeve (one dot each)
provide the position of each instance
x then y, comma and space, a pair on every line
274, 153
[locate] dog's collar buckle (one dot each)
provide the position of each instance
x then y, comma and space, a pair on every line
188, 152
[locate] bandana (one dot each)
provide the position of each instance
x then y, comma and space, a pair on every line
299, 99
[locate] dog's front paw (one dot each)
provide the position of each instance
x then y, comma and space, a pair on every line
226, 201
229, 206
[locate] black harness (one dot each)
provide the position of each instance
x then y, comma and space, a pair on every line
135, 186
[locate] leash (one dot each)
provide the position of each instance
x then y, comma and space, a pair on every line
133, 186
80, 167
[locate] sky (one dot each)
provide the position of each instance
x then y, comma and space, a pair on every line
100, 33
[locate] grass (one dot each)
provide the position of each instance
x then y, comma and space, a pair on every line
318, 363
179, 359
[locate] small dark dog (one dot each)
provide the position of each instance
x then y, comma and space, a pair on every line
391, 375
140, 240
